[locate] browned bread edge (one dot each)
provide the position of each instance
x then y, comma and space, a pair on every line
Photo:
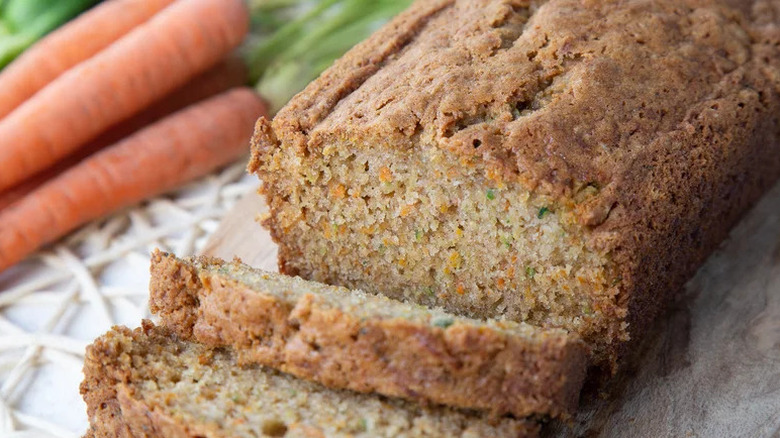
462, 365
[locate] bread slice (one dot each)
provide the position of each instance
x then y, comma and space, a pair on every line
566, 163
149, 383
368, 343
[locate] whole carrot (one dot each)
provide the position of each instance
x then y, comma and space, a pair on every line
155, 58
69, 45
228, 74
180, 147
231, 72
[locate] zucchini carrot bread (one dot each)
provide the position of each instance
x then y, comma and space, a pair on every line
350, 339
565, 163
150, 383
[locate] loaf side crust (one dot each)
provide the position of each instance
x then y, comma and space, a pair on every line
463, 365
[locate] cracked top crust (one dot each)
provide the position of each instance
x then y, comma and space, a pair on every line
556, 93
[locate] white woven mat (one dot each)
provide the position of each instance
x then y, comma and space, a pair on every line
55, 303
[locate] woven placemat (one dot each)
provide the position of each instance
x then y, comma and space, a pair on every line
56, 302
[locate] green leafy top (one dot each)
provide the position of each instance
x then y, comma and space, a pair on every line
293, 41
23, 22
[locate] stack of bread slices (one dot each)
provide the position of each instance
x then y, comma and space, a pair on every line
241, 352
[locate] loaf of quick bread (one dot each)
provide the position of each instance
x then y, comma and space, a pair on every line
149, 383
567, 163
350, 339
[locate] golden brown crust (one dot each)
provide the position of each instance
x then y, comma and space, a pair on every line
668, 107
168, 298
106, 368
462, 365
129, 393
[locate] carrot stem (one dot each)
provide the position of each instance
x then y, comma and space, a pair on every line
284, 58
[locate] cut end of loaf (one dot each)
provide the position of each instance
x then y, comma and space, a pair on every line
421, 225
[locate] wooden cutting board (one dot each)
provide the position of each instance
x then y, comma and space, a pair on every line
711, 366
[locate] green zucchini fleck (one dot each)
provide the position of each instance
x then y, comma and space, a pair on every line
443, 322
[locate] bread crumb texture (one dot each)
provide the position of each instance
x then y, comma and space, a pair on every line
149, 383
567, 163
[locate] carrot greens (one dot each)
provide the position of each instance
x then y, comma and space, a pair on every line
295, 40
23, 22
